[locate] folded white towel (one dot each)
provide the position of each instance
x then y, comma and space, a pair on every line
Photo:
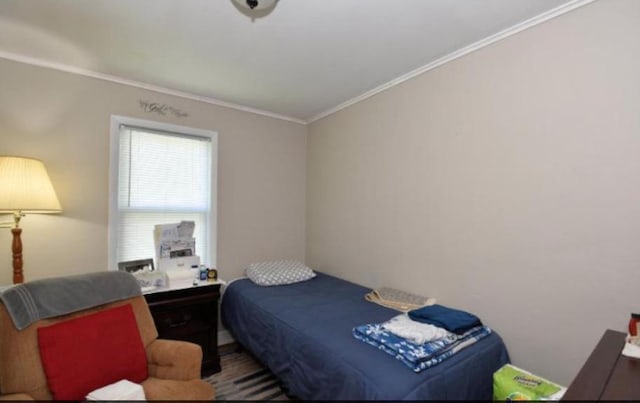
121, 390
415, 332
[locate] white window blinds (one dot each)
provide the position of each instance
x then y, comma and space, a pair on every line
162, 178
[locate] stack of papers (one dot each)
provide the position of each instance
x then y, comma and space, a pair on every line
175, 240
175, 245
121, 390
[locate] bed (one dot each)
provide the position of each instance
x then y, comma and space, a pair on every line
303, 333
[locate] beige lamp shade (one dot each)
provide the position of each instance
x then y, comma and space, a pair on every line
25, 186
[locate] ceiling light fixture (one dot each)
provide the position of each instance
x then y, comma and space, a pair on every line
256, 4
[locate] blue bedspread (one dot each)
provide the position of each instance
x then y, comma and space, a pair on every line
303, 333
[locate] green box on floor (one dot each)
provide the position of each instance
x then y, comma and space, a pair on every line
511, 383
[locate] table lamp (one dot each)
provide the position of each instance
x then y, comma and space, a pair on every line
25, 188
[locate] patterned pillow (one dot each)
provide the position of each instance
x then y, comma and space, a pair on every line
279, 272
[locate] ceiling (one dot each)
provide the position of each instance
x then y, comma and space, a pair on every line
298, 61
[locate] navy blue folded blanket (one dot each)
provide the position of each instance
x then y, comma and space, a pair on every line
453, 320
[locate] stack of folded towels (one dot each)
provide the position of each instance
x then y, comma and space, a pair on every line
453, 320
424, 337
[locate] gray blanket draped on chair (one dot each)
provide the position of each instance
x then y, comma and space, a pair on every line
29, 302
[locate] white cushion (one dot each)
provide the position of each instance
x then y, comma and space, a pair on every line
279, 272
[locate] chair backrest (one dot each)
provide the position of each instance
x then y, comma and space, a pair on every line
21, 368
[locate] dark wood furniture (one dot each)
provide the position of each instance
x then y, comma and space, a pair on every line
189, 314
607, 375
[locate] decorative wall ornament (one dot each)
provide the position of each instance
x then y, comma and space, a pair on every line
161, 109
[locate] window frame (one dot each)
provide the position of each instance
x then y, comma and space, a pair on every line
114, 166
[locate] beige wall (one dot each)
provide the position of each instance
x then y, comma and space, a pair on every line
64, 120
506, 183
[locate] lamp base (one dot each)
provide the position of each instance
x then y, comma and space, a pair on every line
16, 248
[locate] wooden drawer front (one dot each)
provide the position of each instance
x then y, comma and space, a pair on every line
180, 321
189, 315
186, 296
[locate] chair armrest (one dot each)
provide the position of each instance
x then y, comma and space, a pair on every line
16, 396
173, 359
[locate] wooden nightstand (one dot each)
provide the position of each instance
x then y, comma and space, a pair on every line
189, 314
607, 375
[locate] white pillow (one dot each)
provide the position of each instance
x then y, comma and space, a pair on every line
279, 272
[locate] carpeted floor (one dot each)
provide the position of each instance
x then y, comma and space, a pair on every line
243, 378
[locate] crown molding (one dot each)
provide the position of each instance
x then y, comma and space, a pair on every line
539, 19
139, 84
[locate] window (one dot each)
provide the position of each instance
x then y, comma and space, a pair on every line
160, 174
